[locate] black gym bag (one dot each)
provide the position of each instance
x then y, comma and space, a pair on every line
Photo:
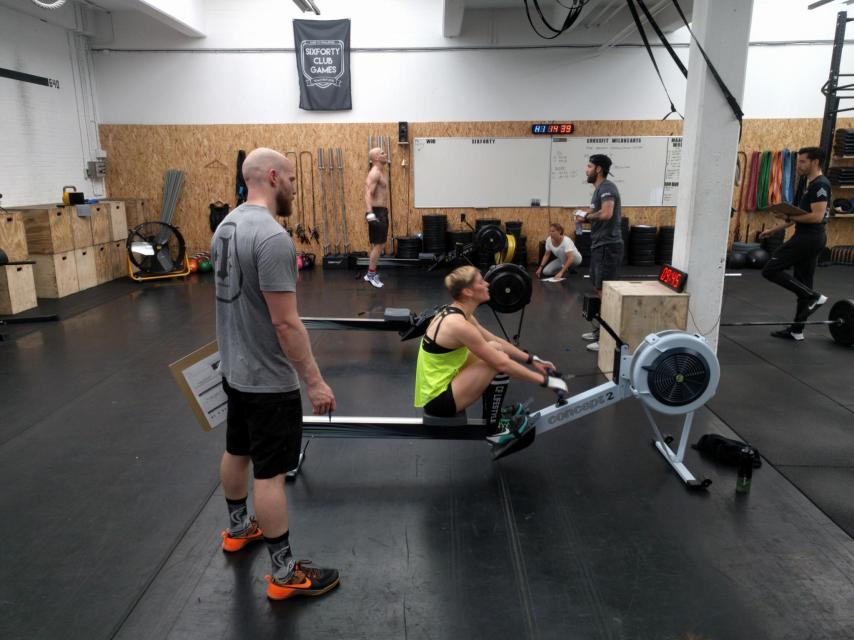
725, 450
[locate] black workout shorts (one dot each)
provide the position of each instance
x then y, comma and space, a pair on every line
443, 405
378, 231
265, 426
604, 261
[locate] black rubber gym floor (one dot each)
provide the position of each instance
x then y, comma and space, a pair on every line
111, 507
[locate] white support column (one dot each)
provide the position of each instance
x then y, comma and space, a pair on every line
709, 157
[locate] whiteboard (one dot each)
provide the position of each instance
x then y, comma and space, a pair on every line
481, 172
516, 172
645, 169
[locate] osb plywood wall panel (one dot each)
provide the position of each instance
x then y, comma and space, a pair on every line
773, 135
140, 155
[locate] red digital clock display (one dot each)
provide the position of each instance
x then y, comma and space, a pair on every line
546, 129
673, 278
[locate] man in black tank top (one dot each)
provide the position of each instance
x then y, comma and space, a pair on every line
801, 251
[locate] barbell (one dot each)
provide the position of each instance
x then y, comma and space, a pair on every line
840, 322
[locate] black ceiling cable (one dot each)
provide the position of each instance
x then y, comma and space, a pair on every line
733, 103
663, 39
574, 12
642, 33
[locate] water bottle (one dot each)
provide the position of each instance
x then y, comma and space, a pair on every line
745, 470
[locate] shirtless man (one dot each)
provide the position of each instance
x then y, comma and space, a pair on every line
376, 202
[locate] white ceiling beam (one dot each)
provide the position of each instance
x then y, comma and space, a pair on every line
184, 16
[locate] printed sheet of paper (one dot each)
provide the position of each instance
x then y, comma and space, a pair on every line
199, 378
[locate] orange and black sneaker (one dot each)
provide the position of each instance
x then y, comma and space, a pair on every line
232, 542
306, 580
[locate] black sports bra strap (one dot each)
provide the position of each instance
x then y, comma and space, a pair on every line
444, 313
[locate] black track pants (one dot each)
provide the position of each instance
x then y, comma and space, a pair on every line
800, 253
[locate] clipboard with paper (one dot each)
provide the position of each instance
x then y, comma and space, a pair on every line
199, 378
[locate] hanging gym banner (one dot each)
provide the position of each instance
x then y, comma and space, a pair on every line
323, 64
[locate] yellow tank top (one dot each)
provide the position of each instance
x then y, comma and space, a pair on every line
434, 371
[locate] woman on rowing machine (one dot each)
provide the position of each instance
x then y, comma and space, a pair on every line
459, 361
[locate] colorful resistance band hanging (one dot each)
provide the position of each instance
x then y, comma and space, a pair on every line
787, 176
776, 182
764, 180
754, 180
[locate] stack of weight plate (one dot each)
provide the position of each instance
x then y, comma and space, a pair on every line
483, 258
521, 254
513, 228
433, 230
624, 231
453, 238
841, 176
582, 243
408, 247
664, 247
843, 142
642, 245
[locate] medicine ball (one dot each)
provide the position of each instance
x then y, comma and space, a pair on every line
736, 260
757, 258
205, 266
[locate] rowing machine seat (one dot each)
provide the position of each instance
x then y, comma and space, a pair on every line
392, 314
459, 420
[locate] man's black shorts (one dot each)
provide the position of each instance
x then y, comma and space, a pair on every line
604, 261
378, 231
265, 426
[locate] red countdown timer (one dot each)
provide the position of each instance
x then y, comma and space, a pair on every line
561, 128
673, 278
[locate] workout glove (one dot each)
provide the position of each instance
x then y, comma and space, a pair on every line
370, 216
555, 384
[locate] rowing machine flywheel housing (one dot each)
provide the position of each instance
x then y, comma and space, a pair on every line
510, 287
674, 373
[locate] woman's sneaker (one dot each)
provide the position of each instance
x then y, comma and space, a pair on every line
512, 424
306, 580
591, 336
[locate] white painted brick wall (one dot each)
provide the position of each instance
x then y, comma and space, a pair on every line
44, 143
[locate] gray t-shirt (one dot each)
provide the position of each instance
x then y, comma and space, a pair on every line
252, 253
605, 231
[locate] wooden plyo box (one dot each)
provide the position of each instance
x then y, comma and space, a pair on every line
81, 229
118, 219
118, 258
87, 276
17, 289
48, 228
103, 262
56, 275
13, 236
139, 210
101, 226
634, 309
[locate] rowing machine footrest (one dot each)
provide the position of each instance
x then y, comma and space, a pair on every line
393, 314
459, 420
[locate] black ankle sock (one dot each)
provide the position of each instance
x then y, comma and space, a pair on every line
238, 516
281, 556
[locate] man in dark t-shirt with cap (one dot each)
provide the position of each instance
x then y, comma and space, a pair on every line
800, 252
606, 246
